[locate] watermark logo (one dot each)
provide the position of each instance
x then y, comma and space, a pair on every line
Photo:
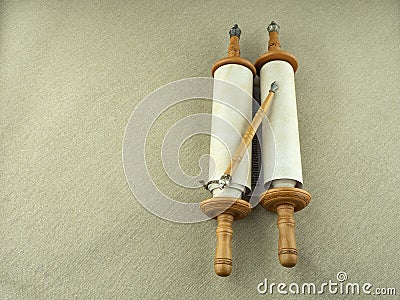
147, 113
340, 286
341, 276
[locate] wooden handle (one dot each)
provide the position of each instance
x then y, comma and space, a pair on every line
274, 44
227, 210
234, 48
249, 135
287, 249
285, 201
223, 253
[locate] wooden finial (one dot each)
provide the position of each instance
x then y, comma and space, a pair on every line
234, 53
225, 210
285, 201
274, 44
274, 50
233, 48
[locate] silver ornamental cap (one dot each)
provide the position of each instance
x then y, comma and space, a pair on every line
235, 31
273, 27
274, 87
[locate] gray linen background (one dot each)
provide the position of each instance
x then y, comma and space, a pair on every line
73, 71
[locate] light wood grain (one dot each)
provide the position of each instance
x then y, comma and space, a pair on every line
249, 135
275, 53
233, 57
285, 201
225, 210
223, 252
287, 249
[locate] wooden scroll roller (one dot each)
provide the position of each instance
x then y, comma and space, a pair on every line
284, 198
224, 208
227, 209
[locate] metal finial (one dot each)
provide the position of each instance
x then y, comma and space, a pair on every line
235, 31
273, 27
274, 87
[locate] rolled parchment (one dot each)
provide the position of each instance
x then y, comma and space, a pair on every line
281, 135
231, 115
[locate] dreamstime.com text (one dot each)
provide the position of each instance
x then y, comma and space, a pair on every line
339, 287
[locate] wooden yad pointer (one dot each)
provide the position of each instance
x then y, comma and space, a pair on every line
248, 137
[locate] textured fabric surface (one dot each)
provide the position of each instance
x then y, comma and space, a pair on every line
73, 71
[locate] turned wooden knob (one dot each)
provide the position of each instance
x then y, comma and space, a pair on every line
225, 210
274, 51
287, 250
234, 53
285, 201
223, 253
